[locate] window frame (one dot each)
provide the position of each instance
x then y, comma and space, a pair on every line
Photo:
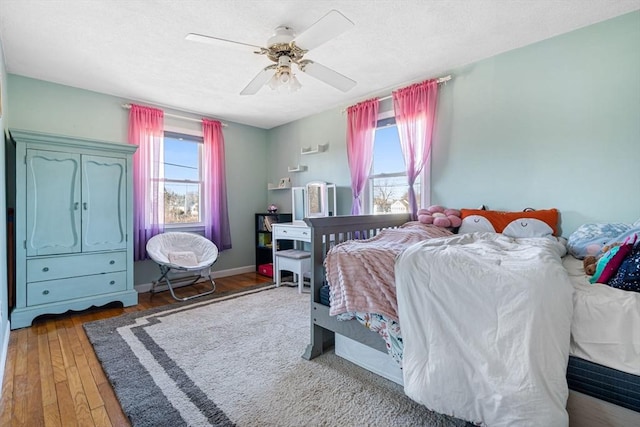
386, 119
197, 137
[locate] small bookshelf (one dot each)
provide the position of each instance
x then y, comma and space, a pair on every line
264, 241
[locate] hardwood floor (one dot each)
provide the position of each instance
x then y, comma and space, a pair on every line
52, 376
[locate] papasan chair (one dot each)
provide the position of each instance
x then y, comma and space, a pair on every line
182, 252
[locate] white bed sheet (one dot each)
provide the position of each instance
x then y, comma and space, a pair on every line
606, 322
486, 323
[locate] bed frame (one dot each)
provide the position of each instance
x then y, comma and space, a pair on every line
325, 233
617, 398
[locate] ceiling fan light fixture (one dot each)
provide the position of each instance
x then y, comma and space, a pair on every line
294, 84
283, 78
285, 47
274, 83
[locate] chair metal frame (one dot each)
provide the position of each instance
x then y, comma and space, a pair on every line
186, 281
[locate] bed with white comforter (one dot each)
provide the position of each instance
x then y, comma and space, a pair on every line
486, 321
606, 322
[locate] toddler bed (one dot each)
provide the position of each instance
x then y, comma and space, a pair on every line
324, 325
337, 229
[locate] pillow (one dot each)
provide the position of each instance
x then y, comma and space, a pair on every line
527, 227
628, 275
630, 233
588, 239
183, 258
517, 224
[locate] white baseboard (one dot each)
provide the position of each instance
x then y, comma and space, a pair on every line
146, 287
3, 354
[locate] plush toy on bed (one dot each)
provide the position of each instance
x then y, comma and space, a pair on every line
440, 216
590, 262
613, 255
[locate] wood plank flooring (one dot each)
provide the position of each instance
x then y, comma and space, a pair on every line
52, 376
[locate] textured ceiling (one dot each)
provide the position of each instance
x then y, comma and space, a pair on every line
137, 50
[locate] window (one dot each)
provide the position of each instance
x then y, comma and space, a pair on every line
387, 191
182, 179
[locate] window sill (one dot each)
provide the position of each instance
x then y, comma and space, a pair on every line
187, 228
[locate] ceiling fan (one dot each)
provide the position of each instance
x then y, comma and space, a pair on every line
285, 48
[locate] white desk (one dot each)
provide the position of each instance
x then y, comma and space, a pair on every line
296, 231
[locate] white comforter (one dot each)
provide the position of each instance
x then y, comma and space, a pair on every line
486, 323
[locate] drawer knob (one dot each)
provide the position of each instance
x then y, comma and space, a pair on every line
45, 269
112, 262
113, 282
45, 292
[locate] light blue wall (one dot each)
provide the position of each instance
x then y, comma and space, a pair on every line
4, 306
285, 144
554, 124
48, 107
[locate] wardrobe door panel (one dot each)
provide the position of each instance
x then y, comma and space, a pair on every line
53, 202
103, 203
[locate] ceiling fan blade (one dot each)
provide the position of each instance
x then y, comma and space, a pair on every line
327, 75
221, 42
258, 81
329, 26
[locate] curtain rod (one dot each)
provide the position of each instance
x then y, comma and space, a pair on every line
175, 116
440, 80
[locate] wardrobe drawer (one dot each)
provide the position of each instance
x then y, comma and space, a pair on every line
39, 269
75, 287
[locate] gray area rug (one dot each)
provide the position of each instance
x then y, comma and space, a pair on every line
236, 360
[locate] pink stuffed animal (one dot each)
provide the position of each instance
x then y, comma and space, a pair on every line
440, 217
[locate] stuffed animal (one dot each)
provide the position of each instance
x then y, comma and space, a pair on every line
590, 262
440, 216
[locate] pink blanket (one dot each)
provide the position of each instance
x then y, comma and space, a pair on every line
361, 272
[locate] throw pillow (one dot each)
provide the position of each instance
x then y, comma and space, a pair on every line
518, 224
183, 258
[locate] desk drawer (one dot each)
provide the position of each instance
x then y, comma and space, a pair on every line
293, 233
75, 287
51, 268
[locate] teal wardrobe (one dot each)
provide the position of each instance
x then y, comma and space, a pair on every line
73, 224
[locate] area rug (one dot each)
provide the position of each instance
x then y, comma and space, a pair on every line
236, 360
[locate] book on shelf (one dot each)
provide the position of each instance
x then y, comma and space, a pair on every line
264, 240
268, 221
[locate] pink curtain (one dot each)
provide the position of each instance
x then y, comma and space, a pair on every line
146, 130
415, 109
361, 127
216, 215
